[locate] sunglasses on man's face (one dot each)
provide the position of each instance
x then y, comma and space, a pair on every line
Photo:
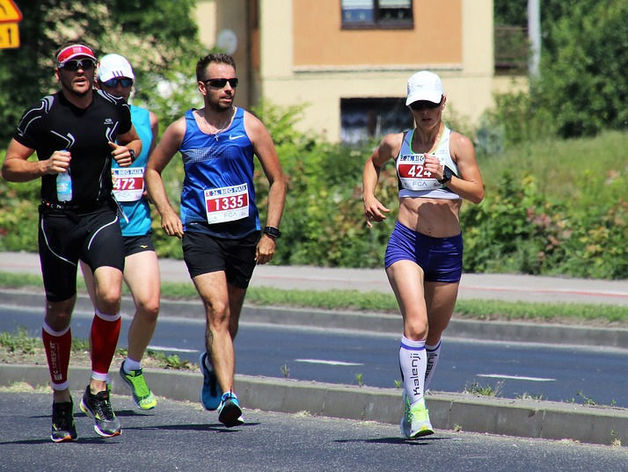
220, 83
73, 66
424, 105
124, 81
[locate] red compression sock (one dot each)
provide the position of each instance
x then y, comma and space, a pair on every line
58, 347
104, 339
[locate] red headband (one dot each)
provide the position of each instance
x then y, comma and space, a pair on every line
75, 50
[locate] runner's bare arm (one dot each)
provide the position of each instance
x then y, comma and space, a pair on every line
267, 155
157, 162
374, 210
18, 168
127, 141
469, 186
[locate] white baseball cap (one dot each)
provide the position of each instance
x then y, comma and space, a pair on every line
114, 65
424, 85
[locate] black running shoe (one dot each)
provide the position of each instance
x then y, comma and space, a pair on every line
63, 428
229, 411
98, 407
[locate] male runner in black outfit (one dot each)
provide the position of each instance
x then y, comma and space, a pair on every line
75, 130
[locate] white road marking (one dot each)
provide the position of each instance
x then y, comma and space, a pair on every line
171, 349
516, 377
321, 361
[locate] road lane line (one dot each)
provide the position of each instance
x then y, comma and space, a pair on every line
173, 349
321, 361
516, 377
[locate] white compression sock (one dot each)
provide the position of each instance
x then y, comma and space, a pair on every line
129, 364
433, 352
412, 362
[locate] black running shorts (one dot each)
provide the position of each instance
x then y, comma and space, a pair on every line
135, 244
67, 236
204, 253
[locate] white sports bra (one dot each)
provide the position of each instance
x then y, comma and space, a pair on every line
413, 180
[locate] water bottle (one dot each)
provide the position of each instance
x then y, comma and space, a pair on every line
64, 186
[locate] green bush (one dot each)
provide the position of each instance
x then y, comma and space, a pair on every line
583, 71
323, 214
551, 207
18, 215
518, 229
515, 119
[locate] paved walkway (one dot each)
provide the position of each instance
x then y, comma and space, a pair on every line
473, 286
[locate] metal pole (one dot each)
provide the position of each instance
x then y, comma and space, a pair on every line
534, 36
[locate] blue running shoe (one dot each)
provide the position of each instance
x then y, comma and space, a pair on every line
210, 393
229, 411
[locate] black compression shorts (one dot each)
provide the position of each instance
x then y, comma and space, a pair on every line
67, 236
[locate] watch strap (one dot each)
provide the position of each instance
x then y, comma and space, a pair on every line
272, 232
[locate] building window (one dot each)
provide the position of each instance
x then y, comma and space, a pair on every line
364, 118
376, 14
512, 49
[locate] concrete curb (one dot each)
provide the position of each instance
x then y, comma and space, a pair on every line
377, 322
524, 418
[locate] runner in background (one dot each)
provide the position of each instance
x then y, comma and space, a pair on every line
141, 267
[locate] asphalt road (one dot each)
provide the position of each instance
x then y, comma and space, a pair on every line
558, 373
180, 436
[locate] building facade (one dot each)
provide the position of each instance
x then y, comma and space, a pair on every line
348, 60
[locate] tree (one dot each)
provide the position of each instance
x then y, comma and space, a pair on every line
158, 37
583, 73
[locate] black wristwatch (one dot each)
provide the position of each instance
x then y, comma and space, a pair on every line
132, 153
272, 232
447, 175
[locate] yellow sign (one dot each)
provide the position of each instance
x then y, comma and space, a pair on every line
9, 12
9, 35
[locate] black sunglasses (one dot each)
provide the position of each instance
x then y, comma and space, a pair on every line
220, 83
73, 66
424, 105
124, 81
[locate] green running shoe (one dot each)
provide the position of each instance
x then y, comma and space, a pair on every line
416, 419
98, 407
63, 427
142, 396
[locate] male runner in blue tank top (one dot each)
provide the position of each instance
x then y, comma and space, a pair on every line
219, 224
141, 267
436, 169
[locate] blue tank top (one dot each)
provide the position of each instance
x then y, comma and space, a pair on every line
129, 181
218, 195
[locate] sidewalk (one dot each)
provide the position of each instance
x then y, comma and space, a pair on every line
528, 418
473, 286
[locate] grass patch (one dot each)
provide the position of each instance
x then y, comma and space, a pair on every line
353, 300
20, 347
549, 312
484, 390
560, 166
